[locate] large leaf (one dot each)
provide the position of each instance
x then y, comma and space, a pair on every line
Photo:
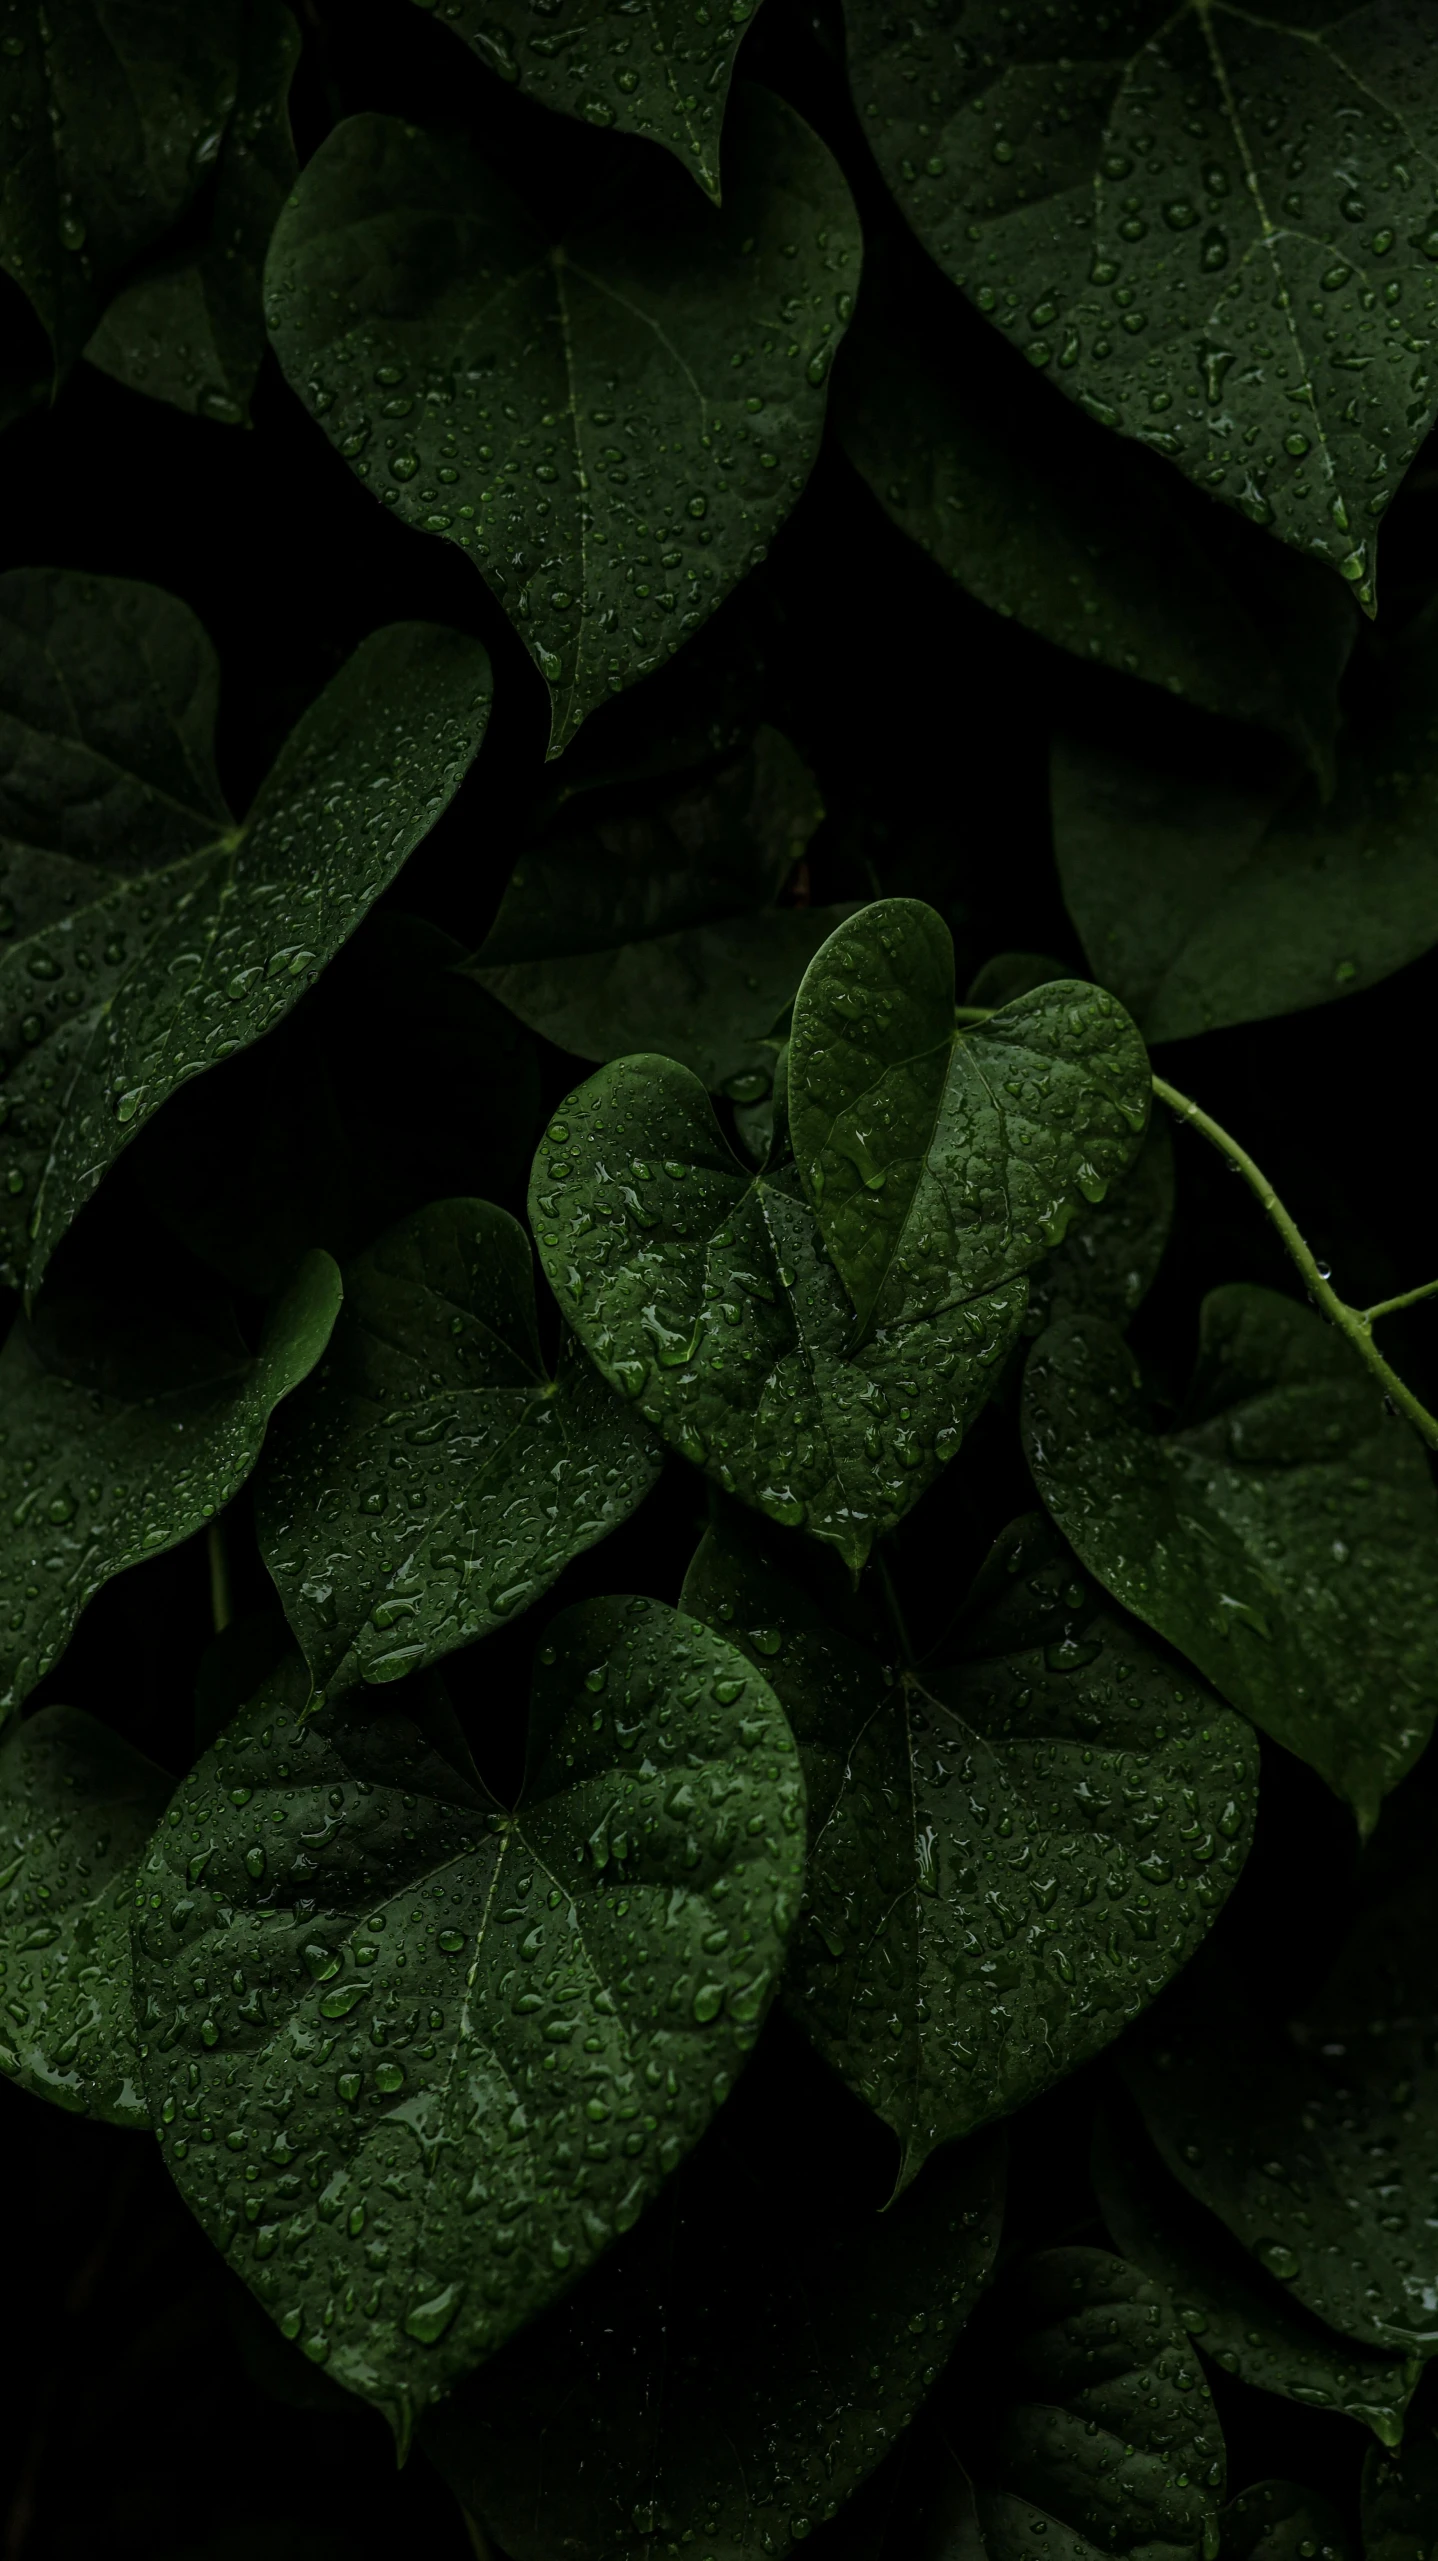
109, 121
77, 1806
1212, 885
1243, 2319
613, 425
1048, 521
190, 327
1206, 226
941, 1161
1284, 1538
744, 2359
432, 1480
1014, 1847
662, 70
153, 938
658, 931
124, 1432
415, 2059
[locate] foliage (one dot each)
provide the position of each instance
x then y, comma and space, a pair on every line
717, 1790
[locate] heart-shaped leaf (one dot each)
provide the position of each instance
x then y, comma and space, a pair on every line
77, 1807
153, 938
613, 425
942, 1160
414, 2059
1205, 226
741, 2362
125, 1432
1284, 1538
1014, 1848
432, 1480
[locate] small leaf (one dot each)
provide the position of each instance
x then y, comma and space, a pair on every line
189, 328
1014, 1848
662, 71
1158, 209
77, 1806
740, 2364
1282, 2521
940, 1162
124, 1434
152, 938
1242, 2319
431, 1481
489, 2036
1400, 2498
614, 425
1284, 1538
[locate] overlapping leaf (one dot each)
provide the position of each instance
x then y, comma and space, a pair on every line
432, 1479
613, 425
1284, 1537
1014, 1848
486, 2036
151, 937
121, 1433
1211, 228
77, 1806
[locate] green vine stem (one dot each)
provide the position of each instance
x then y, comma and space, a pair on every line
1356, 1323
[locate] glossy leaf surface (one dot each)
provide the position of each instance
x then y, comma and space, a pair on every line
120, 1435
462, 2047
1014, 1846
1284, 1538
1196, 221
77, 1806
1109, 1259
432, 1480
613, 425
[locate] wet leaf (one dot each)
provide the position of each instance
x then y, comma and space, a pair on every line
1015, 1846
432, 1479
613, 425
190, 327
77, 1806
150, 936
1284, 1537
659, 931
124, 1432
1196, 222
663, 71
1108, 1261
940, 1160
741, 2363
487, 2036
1282, 2521
109, 123
1400, 2499
1244, 2320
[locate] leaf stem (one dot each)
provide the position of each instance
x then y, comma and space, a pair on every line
1390, 1306
1355, 1323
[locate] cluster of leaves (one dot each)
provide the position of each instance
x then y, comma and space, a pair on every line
718, 1706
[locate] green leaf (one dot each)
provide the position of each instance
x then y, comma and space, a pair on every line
1400, 2500
1196, 221
1109, 1259
742, 2362
1051, 523
701, 1290
125, 1432
77, 1806
151, 937
1282, 2521
662, 71
190, 327
1242, 2319
942, 1161
659, 932
1109, 2428
109, 122
614, 424
1014, 1847
487, 2036
432, 1480
1284, 1538
1212, 885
